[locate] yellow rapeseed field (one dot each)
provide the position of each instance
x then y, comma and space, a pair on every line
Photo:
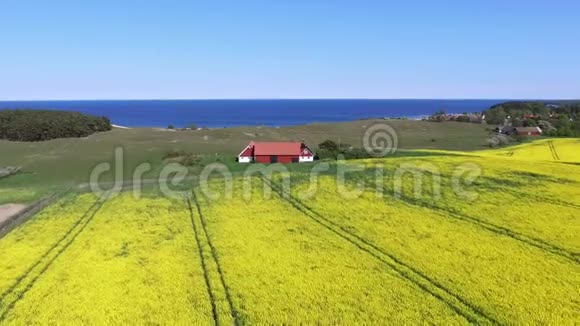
538, 199
135, 263
284, 268
418, 242
24, 247
484, 267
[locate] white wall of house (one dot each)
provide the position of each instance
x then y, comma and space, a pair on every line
245, 159
306, 159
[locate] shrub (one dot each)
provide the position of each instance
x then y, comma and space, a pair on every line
498, 140
346, 151
40, 125
173, 153
182, 157
463, 118
530, 123
519, 138
328, 145
190, 160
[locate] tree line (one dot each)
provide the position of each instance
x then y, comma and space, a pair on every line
41, 125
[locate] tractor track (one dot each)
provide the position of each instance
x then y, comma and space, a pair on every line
541, 244
553, 151
233, 311
542, 199
203, 265
458, 304
73, 232
500, 230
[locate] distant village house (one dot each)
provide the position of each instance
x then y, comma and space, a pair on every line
506, 130
529, 131
521, 131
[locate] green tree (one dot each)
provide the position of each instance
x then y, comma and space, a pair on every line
530, 123
517, 122
329, 145
463, 118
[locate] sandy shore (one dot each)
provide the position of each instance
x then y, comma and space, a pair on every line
120, 127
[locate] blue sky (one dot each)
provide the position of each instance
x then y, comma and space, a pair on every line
289, 49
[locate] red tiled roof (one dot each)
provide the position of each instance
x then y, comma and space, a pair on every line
277, 148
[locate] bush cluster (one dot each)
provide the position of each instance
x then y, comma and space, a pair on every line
331, 150
40, 125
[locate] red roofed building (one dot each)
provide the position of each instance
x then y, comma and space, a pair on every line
276, 152
529, 131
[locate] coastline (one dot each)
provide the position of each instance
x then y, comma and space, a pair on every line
263, 112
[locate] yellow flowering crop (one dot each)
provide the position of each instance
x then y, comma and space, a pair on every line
283, 268
135, 263
504, 249
564, 149
538, 199
24, 247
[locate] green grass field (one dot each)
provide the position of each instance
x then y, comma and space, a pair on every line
503, 249
65, 162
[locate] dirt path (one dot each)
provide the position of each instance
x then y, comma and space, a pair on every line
8, 210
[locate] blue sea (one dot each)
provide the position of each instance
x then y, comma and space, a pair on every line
229, 113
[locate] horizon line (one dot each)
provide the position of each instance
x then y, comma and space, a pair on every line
295, 99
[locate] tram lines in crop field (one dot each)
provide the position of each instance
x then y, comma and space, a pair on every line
469, 240
509, 257
221, 315
555, 155
497, 229
24, 282
134, 261
427, 284
221, 283
265, 254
